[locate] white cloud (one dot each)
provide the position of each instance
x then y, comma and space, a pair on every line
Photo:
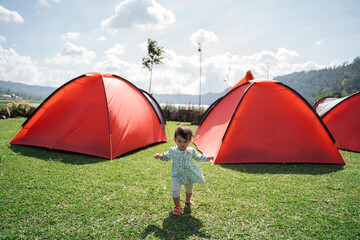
177, 73
319, 42
335, 64
143, 14
309, 65
170, 81
72, 54
143, 46
117, 50
10, 16
132, 72
102, 38
2, 39
180, 73
70, 35
55, 77
13, 66
281, 62
47, 3
17, 68
283, 54
203, 36
263, 56
172, 60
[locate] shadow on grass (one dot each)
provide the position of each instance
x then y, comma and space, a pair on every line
54, 155
177, 227
274, 168
68, 157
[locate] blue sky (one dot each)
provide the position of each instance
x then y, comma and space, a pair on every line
49, 42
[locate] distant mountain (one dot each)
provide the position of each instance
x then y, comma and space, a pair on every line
25, 91
343, 80
170, 99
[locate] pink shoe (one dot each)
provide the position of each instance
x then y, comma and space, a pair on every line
177, 211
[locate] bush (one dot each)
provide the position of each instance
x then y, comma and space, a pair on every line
188, 113
320, 95
16, 109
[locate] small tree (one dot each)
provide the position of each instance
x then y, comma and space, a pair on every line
154, 56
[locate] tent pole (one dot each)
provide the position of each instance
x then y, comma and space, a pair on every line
108, 116
111, 154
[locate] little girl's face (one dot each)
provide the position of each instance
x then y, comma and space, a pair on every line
182, 143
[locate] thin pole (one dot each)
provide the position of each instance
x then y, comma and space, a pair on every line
200, 51
310, 88
228, 81
150, 77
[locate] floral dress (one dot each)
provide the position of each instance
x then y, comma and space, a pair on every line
183, 168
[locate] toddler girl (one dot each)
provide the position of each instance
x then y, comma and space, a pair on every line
183, 171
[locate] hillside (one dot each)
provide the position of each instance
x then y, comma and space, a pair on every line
25, 91
206, 99
342, 80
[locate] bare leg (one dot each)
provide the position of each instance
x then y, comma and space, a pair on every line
177, 202
188, 199
178, 208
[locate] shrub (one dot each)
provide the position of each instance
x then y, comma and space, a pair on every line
16, 109
183, 113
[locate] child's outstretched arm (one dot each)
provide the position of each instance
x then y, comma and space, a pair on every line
158, 156
167, 156
199, 157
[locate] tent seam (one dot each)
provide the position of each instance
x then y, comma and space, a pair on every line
108, 115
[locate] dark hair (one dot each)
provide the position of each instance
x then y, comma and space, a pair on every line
183, 132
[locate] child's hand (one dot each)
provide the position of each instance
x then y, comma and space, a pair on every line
158, 156
211, 159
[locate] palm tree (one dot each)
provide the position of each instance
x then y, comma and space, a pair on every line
154, 56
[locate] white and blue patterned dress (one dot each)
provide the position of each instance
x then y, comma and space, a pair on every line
183, 168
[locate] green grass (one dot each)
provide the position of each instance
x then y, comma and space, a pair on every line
59, 195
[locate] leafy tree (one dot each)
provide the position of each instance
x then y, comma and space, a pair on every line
337, 81
330, 95
154, 56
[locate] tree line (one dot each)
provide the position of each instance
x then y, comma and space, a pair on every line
336, 81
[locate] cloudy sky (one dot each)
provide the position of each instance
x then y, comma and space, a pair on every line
49, 42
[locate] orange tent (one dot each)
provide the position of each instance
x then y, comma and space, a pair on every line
247, 78
342, 117
97, 114
265, 122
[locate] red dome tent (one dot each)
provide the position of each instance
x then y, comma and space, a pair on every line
95, 114
265, 122
342, 118
247, 78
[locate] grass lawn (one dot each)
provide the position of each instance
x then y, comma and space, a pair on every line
59, 195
